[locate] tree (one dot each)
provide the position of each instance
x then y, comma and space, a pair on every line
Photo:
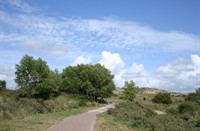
31, 74
129, 90
163, 98
91, 81
2, 85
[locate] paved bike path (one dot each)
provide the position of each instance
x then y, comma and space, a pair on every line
81, 122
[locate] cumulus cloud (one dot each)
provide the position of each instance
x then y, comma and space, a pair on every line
82, 60
7, 74
112, 61
182, 75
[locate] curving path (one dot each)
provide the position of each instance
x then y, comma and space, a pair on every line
81, 122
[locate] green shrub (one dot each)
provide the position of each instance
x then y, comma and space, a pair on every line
162, 98
82, 103
186, 107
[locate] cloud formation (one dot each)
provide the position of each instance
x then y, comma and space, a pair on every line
112, 61
84, 41
181, 75
99, 33
20, 5
82, 60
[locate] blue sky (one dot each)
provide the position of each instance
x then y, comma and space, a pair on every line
155, 43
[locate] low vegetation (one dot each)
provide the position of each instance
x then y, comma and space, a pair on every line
173, 112
163, 98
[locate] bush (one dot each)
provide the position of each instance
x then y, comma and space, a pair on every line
162, 98
186, 107
82, 103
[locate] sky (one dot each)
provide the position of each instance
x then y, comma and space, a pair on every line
155, 43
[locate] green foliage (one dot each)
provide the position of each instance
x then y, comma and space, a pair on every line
82, 103
92, 81
12, 107
2, 85
129, 90
139, 117
35, 79
186, 107
163, 98
194, 97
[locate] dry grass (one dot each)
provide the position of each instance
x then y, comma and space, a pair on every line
106, 122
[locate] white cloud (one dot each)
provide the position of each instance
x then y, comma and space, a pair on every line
70, 38
21, 5
196, 60
7, 74
180, 75
112, 61
99, 33
82, 60
42, 46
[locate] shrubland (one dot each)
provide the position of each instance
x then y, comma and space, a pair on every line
152, 111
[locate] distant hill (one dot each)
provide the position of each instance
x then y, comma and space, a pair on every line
148, 90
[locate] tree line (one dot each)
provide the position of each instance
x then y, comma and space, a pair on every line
35, 79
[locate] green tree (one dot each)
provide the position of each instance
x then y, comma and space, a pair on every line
31, 74
130, 90
50, 86
163, 98
2, 85
91, 81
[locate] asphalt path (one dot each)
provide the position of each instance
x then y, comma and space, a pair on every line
80, 122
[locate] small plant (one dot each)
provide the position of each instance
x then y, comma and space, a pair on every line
162, 98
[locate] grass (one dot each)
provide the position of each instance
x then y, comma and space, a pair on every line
106, 122
40, 122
